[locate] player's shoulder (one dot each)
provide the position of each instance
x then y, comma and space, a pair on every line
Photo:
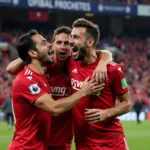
25, 76
113, 66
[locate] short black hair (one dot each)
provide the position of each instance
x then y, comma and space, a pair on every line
92, 28
62, 29
26, 43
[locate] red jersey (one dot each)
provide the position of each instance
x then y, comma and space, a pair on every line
32, 124
61, 127
101, 132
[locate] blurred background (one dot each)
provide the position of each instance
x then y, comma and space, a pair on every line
125, 30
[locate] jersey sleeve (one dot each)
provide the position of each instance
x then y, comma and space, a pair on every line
30, 89
119, 83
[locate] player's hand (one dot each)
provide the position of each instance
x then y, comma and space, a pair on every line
95, 115
90, 87
100, 73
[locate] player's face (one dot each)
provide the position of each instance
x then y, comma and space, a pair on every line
78, 43
44, 49
61, 47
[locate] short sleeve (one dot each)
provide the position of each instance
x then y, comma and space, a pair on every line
30, 89
119, 83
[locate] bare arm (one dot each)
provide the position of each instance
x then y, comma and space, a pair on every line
96, 115
100, 72
15, 67
106, 57
48, 104
123, 107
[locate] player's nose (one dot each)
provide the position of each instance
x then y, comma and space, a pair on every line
71, 41
49, 45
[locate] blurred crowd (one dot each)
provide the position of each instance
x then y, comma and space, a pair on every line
132, 53
5, 79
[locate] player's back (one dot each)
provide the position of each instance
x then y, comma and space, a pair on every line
95, 133
32, 124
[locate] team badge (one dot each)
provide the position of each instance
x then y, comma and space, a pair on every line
124, 83
34, 89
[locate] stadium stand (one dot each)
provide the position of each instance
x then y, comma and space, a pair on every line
135, 61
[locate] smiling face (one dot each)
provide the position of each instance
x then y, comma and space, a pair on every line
61, 47
43, 49
78, 43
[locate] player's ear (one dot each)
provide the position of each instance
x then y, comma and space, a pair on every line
33, 53
90, 42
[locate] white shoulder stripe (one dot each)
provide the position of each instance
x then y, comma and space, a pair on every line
28, 72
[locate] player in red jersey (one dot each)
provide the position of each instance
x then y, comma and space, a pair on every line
32, 102
96, 126
61, 128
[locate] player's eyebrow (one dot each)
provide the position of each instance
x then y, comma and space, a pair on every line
74, 36
43, 41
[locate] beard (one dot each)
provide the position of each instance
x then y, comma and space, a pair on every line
82, 53
44, 60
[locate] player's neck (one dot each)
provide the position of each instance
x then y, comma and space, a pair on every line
58, 62
37, 67
90, 58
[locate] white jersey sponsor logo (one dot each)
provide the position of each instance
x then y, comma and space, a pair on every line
76, 84
61, 91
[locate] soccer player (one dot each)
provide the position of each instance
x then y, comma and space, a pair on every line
96, 126
32, 102
61, 127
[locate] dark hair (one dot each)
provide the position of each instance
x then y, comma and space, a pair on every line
25, 44
91, 29
62, 29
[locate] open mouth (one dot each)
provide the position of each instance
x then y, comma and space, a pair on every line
62, 53
50, 52
74, 51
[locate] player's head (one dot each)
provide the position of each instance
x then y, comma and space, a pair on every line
84, 36
60, 43
32, 46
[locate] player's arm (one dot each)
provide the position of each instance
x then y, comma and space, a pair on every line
97, 115
15, 66
120, 89
123, 107
100, 72
48, 104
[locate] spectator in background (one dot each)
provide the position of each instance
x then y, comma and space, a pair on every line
7, 107
138, 108
148, 55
